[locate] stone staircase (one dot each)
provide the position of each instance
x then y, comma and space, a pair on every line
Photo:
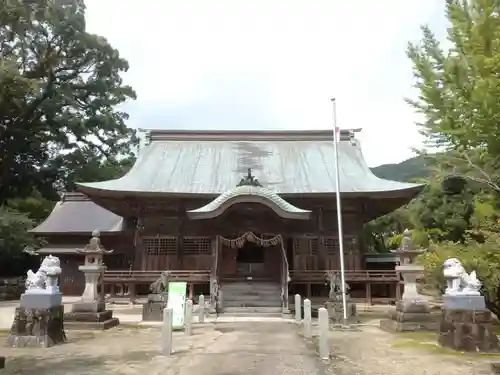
251, 298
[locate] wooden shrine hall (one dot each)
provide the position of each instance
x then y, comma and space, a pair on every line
228, 207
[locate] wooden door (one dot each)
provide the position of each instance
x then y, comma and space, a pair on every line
273, 262
228, 261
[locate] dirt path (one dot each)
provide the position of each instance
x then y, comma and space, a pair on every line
371, 351
250, 349
221, 349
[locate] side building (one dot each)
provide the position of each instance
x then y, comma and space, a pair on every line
231, 206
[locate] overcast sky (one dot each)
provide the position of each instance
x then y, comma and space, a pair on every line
272, 64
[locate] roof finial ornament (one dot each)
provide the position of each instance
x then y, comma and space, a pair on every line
249, 180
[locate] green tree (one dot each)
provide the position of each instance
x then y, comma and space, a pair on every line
444, 216
459, 89
479, 255
84, 165
458, 96
14, 239
59, 91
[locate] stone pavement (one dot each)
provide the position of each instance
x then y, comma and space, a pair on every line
127, 314
214, 349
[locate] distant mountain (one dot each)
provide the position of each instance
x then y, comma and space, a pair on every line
406, 171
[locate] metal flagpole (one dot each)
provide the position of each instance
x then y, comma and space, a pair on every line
339, 210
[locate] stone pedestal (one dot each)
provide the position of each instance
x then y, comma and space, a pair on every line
410, 273
90, 311
152, 311
38, 322
410, 315
336, 312
412, 312
468, 330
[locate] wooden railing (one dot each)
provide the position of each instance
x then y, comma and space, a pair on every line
319, 277
119, 284
145, 277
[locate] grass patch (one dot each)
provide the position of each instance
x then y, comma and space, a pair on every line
417, 335
496, 330
434, 348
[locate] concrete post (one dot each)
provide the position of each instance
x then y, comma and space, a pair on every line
201, 311
307, 318
298, 309
188, 318
324, 347
166, 332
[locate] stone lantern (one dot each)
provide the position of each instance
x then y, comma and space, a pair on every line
93, 269
409, 271
90, 311
412, 311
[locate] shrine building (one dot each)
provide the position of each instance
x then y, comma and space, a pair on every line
231, 206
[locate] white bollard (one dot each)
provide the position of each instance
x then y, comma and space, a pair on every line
324, 348
166, 332
298, 309
188, 318
307, 318
201, 311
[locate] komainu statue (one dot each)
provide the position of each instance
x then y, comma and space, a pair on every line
458, 281
160, 285
45, 279
335, 282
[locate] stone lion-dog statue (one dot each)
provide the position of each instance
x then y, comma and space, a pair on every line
458, 281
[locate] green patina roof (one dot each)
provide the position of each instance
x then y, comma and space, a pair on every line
75, 213
285, 162
249, 194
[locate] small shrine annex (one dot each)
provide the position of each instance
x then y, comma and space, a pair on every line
228, 206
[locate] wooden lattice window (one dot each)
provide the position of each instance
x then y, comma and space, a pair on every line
305, 246
331, 245
314, 246
160, 245
197, 245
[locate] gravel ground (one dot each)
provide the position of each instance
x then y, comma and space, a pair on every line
255, 348
371, 351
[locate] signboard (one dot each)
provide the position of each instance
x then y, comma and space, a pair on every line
177, 302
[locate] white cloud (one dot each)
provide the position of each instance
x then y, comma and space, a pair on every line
271, 64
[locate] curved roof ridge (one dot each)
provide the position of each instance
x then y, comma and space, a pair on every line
283, 161
75, 213
249, 194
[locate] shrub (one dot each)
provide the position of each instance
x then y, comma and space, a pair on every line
483, 257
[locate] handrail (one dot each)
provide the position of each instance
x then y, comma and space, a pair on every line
365, 275
150, 276
284, 275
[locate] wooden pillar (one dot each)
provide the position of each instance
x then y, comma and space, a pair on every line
368, 293
191, 291
139, 254
309, 291
215, 256
180, 260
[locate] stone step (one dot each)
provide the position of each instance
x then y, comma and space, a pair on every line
251, 298
250, 290
252, 294
252, 304
253, 310
252, 285
251, 315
